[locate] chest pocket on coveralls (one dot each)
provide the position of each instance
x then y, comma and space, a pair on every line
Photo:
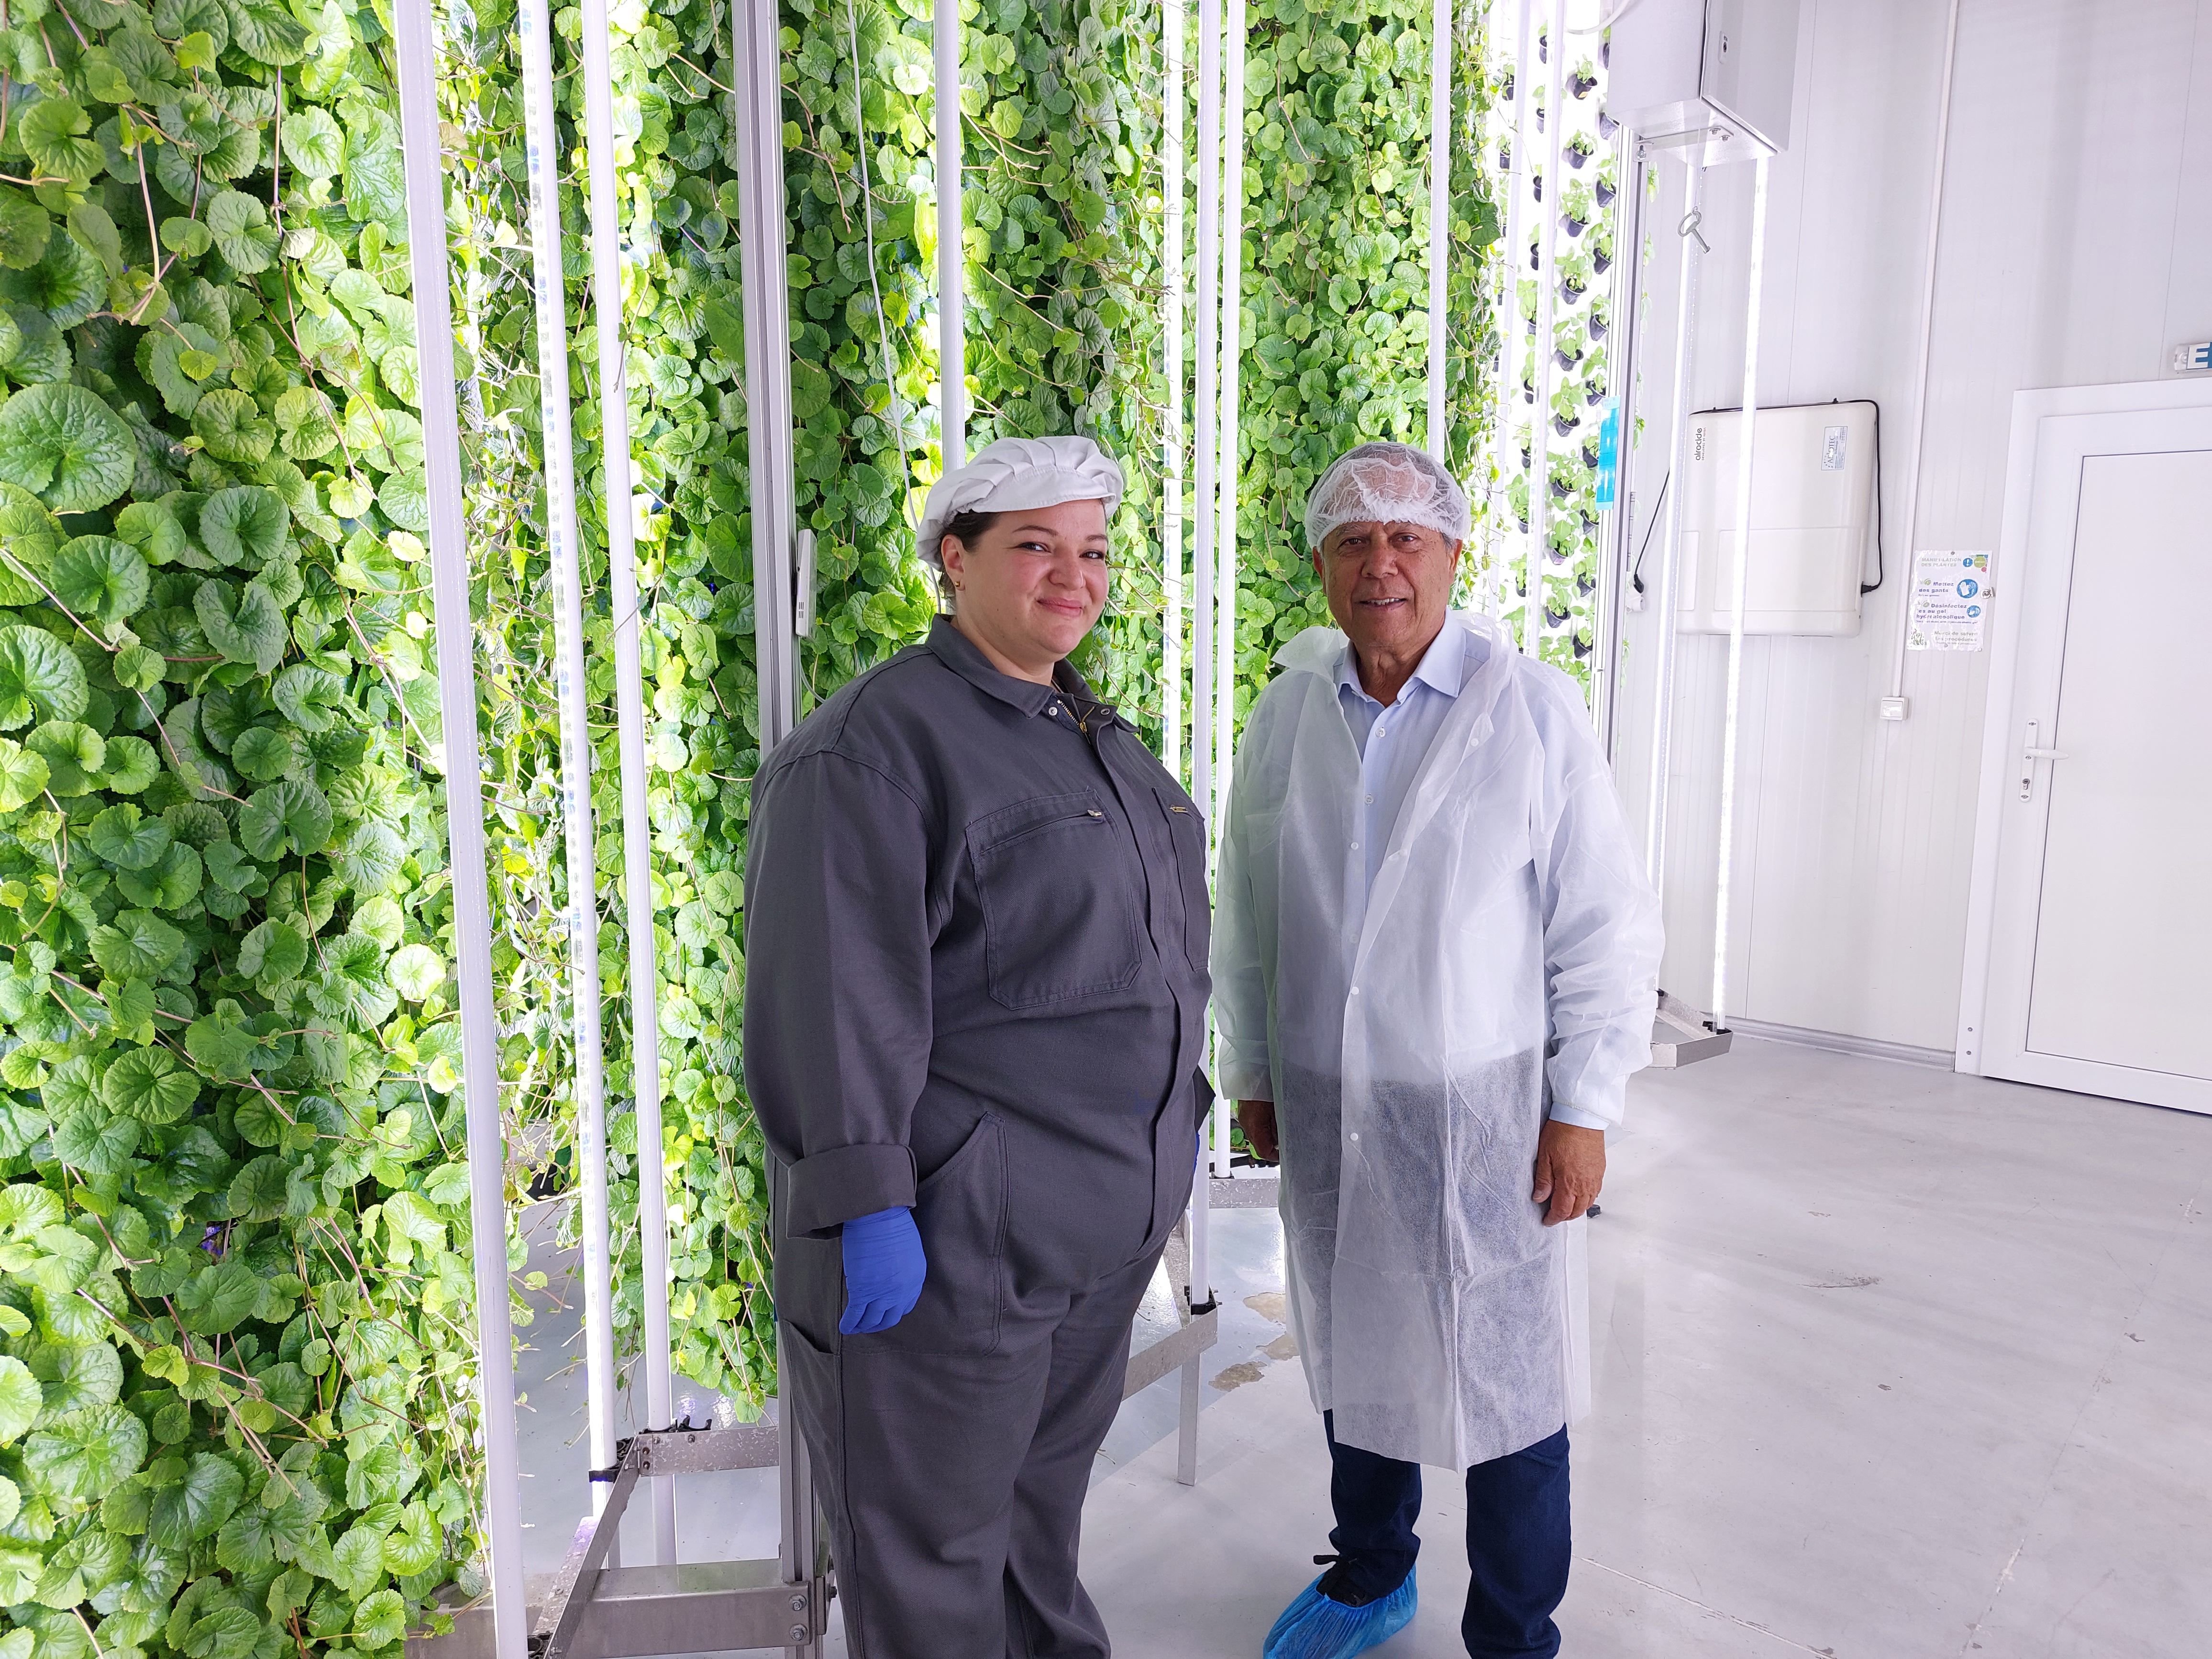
1059, 898
1187, 831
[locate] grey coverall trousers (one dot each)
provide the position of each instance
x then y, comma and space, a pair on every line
977, 937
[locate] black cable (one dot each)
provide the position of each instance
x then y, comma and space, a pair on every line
1636, 569
1880, 563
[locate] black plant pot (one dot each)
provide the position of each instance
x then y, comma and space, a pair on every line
1543, 45
1505, 88
1555, 618
1506, 155
1589, 456
1590, 519
1559, 491
1584, 586
1600, 261
1582, 648
1597, 324
1528, 459
1594, 395
1535, 259
1604, 52
1572, 289
1565, 425
1575, 226
1584, 85
1567, 359
1605, 192
1524, 524
1576, 158
1607, 126
1536, 184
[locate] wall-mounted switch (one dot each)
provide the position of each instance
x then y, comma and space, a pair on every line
1895, 708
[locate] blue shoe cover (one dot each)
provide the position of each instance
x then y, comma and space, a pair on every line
1314, 1627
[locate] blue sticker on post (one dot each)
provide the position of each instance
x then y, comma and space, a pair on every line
1609, 454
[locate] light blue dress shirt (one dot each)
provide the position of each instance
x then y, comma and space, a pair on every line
1394, 740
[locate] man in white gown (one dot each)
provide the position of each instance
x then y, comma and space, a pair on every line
1435, 962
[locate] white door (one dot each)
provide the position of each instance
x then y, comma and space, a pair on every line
2099, 975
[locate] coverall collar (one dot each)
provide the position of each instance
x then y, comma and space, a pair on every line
961, 654
1442, 666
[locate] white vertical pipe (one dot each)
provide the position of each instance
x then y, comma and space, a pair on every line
541, 149
763, 235
1171, 441
1731, 718
1670, 546
630, 726
416, 55
1207, 256
1440, 114
1550, 207
1626, 357
1513, 336
951, 303
1922, 356
1231, 461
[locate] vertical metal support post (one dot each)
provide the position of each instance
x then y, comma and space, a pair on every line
1204, 408
1230, 460
763, 235
1670, 547
416, 55
798, 1553
1731, 719
952, 304
1549, 208
1171, 436
1628, 357
542, 152
1513, 336
1440, 114
1198, 1298
629, 723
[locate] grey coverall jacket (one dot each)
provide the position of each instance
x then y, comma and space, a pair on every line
976, 938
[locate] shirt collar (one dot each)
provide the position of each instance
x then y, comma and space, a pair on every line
1443, 667
960, 653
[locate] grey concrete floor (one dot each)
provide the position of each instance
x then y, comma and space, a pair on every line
1890, 1363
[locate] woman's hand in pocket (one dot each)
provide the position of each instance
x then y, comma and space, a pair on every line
884, 1267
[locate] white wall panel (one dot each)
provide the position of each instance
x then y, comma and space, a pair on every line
2076, 249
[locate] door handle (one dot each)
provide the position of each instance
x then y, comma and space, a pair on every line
2030, 752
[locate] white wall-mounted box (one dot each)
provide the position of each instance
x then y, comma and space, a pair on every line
1716, 72
1815, 480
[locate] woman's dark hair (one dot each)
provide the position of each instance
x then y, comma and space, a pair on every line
967, 525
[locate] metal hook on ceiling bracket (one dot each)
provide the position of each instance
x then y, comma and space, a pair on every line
1691, 220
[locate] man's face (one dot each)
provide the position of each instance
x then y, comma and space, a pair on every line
1388, 585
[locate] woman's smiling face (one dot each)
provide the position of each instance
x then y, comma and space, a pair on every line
1031, 584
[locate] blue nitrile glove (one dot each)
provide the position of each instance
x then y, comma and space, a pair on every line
883, 1270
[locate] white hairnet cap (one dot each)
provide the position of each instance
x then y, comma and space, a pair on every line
1017, 472
1387, 483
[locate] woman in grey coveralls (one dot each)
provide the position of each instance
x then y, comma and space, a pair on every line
977, 937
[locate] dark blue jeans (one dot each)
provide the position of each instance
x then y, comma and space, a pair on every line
1518, 1541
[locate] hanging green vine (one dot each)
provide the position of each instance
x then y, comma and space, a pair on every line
1336, 281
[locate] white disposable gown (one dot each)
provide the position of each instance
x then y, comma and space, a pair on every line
1414, 1039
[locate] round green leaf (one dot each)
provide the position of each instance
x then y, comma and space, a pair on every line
22, 1399
99, 579
139, 668
24, 228
132, 764
274, 952
149, 1085
191, 1508
310, 697
232, 426
86, 1452
68, 284
40, 677
125, 837
243, 235
244, 526
283, 818
264, 754
314, 144
73, 752
416, 970
22, 775
62, 442
136, 945
244, 624
52, 133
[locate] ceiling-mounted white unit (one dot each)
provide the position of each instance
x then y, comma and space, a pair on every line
1814, 481
1713, 73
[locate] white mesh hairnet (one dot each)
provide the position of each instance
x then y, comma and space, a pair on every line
1387, 483
1017, 472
